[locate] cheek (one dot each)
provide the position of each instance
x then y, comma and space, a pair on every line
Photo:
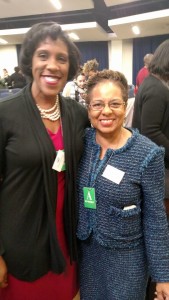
93, 115
65, 68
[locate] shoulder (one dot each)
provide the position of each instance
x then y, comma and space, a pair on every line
11, 108
146, 146
69, 84
68, 87
152, 88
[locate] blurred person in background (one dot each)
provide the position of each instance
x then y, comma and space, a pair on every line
76, 89
5, 80
151, 109
17, 80
144, 72
90, 67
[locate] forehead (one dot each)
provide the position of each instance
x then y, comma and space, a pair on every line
81, 77
106, 89
49, 42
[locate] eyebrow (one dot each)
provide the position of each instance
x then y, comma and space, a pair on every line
109, 100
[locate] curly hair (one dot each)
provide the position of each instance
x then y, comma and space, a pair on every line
37, 34
108, 75
90, 65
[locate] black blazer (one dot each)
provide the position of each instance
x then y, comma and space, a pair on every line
28, 191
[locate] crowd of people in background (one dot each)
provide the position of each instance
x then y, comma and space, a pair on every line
14, 80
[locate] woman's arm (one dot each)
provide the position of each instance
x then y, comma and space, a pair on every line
154, 118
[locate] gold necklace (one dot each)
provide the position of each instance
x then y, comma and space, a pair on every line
53, 113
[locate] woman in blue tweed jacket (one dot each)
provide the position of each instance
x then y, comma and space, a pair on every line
122, 225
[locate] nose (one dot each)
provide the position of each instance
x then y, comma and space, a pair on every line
53, 64
106, 109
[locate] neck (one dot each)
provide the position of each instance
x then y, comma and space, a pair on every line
112, 141
41, 99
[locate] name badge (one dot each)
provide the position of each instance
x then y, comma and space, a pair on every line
113, 174
59, 163
89, 197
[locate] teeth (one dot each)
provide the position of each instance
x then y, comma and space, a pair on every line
106, 121
51, 79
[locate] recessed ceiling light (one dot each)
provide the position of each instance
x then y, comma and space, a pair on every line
56, 4
136, 29
73, 36
64, 27
2, 41
13, 31
79, 26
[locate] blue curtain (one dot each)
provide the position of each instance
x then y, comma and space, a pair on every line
142, 46
91, 50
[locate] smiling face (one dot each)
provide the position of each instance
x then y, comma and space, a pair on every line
81, 80
107, 121
50, 67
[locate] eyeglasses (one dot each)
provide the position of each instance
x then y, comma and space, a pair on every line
99, 105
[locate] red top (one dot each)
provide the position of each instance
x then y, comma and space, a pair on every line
142, 74
50, 286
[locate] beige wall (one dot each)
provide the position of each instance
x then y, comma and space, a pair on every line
121, 57
8, 58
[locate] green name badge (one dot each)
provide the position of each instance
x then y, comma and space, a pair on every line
89, 197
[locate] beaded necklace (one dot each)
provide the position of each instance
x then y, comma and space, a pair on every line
53, 113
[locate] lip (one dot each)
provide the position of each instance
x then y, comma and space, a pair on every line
50, 79
110, 119
106, 122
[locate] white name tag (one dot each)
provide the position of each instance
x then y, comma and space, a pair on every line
113, 174
59, 162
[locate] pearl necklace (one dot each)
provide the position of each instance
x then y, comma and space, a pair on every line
53, 113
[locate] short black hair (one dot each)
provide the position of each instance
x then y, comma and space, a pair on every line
37, 34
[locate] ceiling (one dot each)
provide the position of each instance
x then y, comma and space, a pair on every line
24, 13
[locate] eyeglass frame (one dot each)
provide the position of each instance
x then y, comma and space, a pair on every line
109, 103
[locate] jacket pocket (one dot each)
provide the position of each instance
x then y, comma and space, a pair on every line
125, 223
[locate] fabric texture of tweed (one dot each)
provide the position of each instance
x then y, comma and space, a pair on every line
120, 248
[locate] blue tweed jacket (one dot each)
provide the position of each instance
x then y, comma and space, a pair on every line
142, 186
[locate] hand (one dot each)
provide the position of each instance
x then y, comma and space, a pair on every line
3, 273
162, 291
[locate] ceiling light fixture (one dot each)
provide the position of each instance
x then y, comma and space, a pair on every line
79, 26
136, 29
2, 41
56, 4
64, 27
73, 36
13, 31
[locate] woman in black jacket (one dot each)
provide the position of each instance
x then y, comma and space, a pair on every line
40, 147
151, 108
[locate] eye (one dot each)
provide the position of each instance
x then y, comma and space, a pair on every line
115, 104
97, 106
42, 55
62, 58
